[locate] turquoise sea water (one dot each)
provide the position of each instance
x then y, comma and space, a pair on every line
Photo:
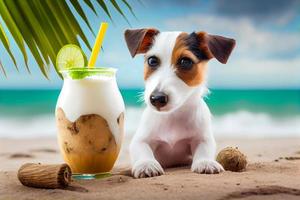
274, 102
236, 113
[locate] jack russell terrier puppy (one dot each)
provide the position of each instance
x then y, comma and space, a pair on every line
175, 128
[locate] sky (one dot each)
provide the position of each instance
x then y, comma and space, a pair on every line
267, 54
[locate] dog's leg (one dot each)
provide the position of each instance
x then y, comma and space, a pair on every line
204, 148
143, 162
204, 158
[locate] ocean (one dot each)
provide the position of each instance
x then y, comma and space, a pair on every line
236, 113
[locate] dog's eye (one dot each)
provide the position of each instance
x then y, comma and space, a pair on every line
153, 61
185, 63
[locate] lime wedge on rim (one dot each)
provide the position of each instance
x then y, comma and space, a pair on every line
70, 56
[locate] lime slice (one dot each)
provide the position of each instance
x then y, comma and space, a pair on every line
70, 56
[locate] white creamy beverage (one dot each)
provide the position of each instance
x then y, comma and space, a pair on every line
89, 114
92, 95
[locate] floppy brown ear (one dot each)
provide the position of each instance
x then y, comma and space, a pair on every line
139, 40
220, 47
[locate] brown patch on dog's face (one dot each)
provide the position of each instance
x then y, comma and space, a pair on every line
192, 51
195, 76
189, 59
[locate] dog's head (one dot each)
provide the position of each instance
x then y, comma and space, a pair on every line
175, 63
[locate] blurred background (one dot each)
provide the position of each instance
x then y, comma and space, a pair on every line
257, 94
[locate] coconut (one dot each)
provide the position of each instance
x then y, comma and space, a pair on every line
232, 159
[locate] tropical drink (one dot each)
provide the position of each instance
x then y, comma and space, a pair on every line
89, 112
90, 119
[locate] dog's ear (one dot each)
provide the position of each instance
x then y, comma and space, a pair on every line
216, 46
221, 47
139, 40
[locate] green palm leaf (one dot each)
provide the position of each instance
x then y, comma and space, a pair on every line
2, 69
5, 42
78, 8
12, 7
117, 7
89, 3
104, 7
129, 7
47, 25
14, 30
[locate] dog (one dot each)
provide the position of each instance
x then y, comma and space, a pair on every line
175, 127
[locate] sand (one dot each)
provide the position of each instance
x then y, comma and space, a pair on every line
273, 173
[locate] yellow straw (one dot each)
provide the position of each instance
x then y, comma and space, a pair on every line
97, 45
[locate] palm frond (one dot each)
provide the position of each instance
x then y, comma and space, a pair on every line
104, 7
5, 43
44, 26
129, 7
117, 7
14, 30
80, 11
2, 69
89, 3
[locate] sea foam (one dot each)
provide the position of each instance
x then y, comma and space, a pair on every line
240, 124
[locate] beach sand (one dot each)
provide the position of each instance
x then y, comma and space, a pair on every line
273, 173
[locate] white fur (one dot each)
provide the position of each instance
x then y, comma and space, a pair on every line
180, 133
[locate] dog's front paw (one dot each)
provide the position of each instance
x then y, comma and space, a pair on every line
148, 168
207, 167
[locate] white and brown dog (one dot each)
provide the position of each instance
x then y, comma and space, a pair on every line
175, 128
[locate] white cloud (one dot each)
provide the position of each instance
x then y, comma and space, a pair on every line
264, 73
250, 38
286, 18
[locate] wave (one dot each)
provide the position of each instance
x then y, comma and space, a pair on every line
28, 127
237, 124
255, 125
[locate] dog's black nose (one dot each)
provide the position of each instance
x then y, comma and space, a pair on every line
158, 99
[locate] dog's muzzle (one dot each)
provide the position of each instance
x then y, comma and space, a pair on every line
158, 99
